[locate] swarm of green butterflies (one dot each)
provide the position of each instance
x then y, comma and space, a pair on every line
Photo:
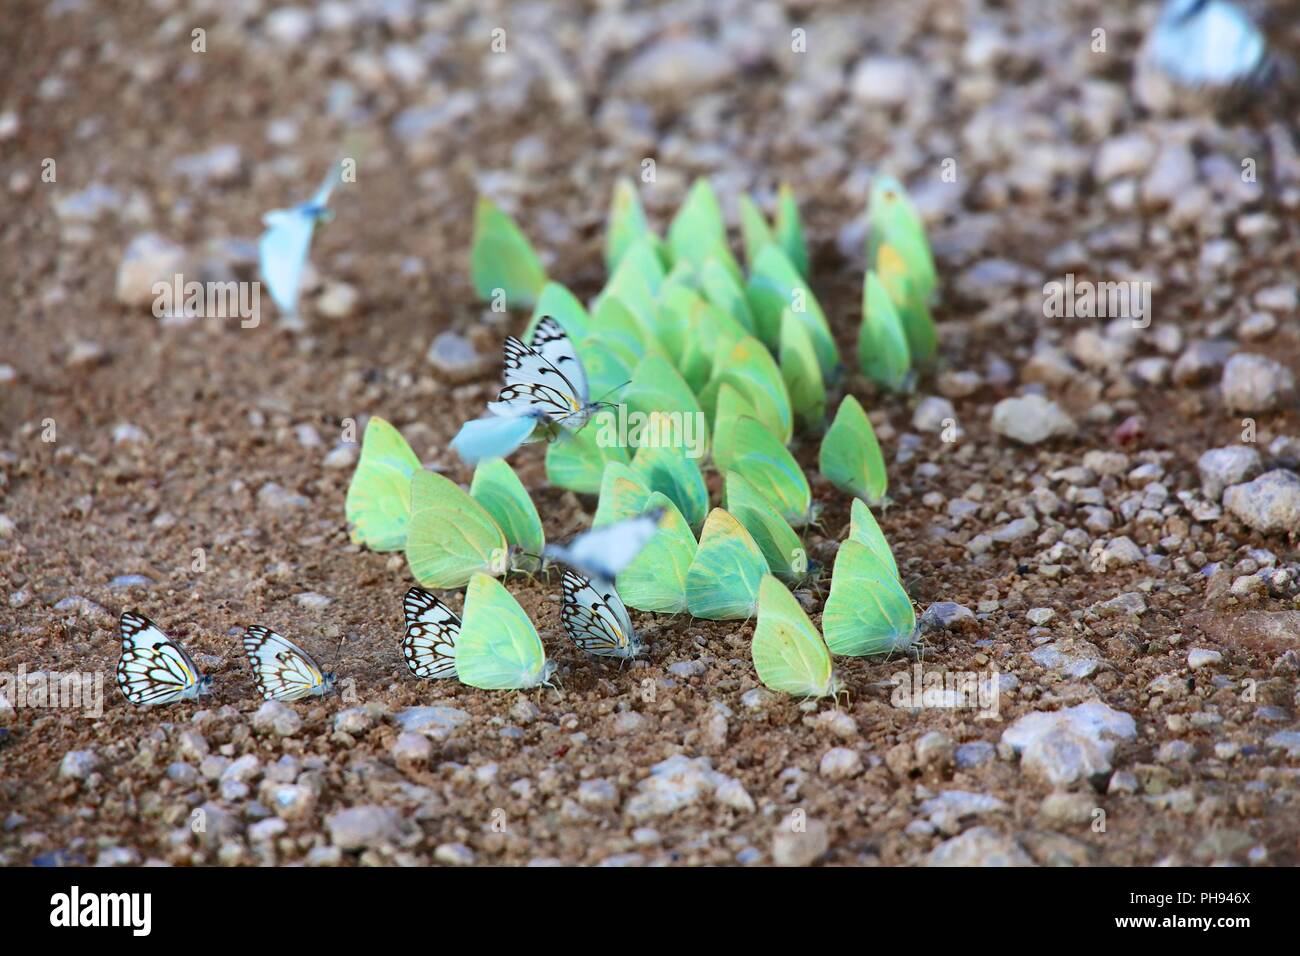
681, 332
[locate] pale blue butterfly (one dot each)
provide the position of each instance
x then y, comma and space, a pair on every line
545, 383
1208, 43
283, 248
602, 553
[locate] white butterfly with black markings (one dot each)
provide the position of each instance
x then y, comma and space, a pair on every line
595, 619
154, 669
602, 553
545, 384
431, 631
282, 669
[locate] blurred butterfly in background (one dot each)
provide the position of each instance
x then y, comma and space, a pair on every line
282, 249
602, 553
545, 384
1208, 43
595, 619
154, 669
282, 669
431, 631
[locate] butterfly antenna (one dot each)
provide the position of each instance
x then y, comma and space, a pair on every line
604, 404
338, 651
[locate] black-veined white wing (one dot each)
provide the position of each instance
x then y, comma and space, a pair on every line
431, 631
535, 384
154, 669
595, 618
282, 669
553, 344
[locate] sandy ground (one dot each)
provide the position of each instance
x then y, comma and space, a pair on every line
115, 95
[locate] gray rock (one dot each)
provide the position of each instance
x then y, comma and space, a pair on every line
800, 842
289, 801
1073, 658
885, 81
1031, 419
945, 616
454, 854
1171, 176
1288, 740
931, 413
979, 846
680, 782
947, 810
597, 794
1127, 155
149, 258
1254, 383
78, 764
357, 828
1070, 746
840, 763
217, 166
411, 749
1200, 360
1230, 465
1269, 504
275, 498
277, 718
976, 753
677, 68
454, 357
1199, 657
438, 723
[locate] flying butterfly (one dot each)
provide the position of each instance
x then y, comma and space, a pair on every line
154, 669
282, 669
282, 249
431, 631
594, 617
545, 384
602, 553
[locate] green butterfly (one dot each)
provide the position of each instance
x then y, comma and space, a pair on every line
802, 374
626, 224
501, 258
498, 647
864, 530
732, 406
913, 313
451, 536
893, 219
850, 454
867, 611
657, 387
768, 465
563, 306
775, 285
656, 578
378, 505
789, 654
883, 352
498, 489
622, 495
665, 467
751, 370
788, 230
722, 582
780, 545
577, 461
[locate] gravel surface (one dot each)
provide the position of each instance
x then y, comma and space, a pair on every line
1112, 529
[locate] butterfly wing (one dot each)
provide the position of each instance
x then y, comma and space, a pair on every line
553, 344
153, 669
431, 631
535, 386
603, 553
493, 437
282, 253
282, 669
595, 618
